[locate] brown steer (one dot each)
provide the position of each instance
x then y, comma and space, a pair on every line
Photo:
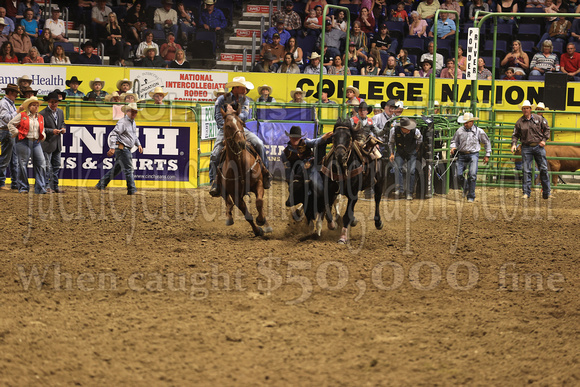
562, 165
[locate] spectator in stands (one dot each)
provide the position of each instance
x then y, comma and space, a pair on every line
570, 62
97, 93
3, 38
418, 26
333, 39
292, 21
59, 56
367, 21
56, 26
218, 92
265, 92
114, 97
87, 57
314, 65
10, 27
507, 6
449, 70
399, 14
288, 66
550, 7
152, 59
339, 21
296, 51
99, 19
559, 31
185, 20
360, 40
147, 43
338, 67
179, 62
268, 63
352, 96
27, 92
575, 30
477, 5
123, 85
45, 43
130, 98
157, 95
212, 19
427, 9
165, 18
438, 58
382, 42
425, 69
297, 96
20, 41
517, 60
312, 4
373, 67
73, 88
30, 24
445, 27
28, 4
116, 46
404, 62
482, 72
535, 3
452, 5
392, 70
509, 75
354, 62
327, 58
312, 26
24, 81
136, 22
545, 61
169, 48
324, 98
278, 29
461, 60
275, 48
7, 53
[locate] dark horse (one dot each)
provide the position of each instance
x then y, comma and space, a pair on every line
240, 174
349, 169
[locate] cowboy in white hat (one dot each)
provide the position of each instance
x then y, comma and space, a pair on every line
377, 109
533, 131
218, 92
28, 129
158, 94
467, 143
24, 81
540, 109
123, 86
352, 93
97, 93
129, 97
404, 142
265, 92
7, 155
229, 103
436, 107
121, 140
297, 95
399, 107
314, 65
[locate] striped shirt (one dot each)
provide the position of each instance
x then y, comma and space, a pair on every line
125, 132
7, 111
544, 62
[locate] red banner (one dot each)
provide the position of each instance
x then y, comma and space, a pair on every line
259, 9
234, 57
247, 33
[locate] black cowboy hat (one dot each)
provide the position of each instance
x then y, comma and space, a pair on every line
363, 105
86, 44
390, 102
295, 132
73, 79
55, 95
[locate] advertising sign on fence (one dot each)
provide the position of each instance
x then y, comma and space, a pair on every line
472, 50
208, 125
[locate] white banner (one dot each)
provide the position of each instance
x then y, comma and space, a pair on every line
44, 78
208, 124
181, 86
472, 50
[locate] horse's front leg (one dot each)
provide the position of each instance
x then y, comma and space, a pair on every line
348, 218
229, 208
261, 219
379, 188
241, 204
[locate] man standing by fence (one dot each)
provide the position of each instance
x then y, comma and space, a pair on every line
533, 132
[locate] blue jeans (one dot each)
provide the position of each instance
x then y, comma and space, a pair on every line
538, 154
52, 169
411, 161
24, 150
219, 145
187, 30
8, 158
469, 182
123, 163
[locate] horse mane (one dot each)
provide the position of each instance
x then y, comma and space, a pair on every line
343, 123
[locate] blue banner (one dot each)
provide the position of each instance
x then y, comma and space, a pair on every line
285, 114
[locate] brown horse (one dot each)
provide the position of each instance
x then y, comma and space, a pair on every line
240, 174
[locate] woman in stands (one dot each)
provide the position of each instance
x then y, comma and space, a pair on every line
311, 4
426, 67
116, 46
404, 62
418, 26
33, 56
294, 50
338, 67
26, 4
20, 41
392, 70
58, 56
354, 61
517, 60
360, 41
449, 70
135, 21
367, 21
452, 5
180, 62
461, 60
148, 43
45, 43
339, 21
372, 67
506, 6
7, 53
288, 66
477, 5
545, 61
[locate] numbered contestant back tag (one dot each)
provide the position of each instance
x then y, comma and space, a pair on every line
472, 50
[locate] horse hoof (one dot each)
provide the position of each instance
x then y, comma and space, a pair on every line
261, 222
297, 215
268, 230
259, 232
354, 222
342, 241
229, 222
379, 224
288, 203
331, 226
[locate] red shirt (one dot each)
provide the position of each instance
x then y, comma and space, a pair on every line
570, 64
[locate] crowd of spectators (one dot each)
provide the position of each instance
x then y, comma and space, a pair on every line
407, 50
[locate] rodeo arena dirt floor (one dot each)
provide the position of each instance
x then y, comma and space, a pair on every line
101, 288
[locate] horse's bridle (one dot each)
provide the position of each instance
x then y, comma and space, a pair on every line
233, 145
348, 149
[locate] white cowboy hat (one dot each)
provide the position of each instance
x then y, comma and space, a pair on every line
240, 81
218, 92
297, 90
23, 78
123, 95
269, 88
466, 117
378, 106
157, 90
354, 89
209, 2
121, 81
130, 106
109, 97
526, 103
91, 83
314, 55
541, 106
354, 102
435, 103
400, 105
30, 100
2, 22
149, 49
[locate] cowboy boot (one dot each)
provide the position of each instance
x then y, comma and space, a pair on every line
215, 189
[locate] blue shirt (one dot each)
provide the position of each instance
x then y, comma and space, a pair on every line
7, 111
30, 26
445, 27
77, 94
9, 27
125, 132
94, 59
216, 19
228, 98
284, 35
